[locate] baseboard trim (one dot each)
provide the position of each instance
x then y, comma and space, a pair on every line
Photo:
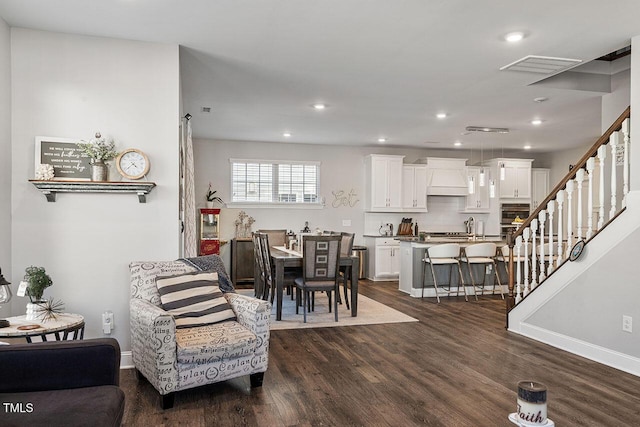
590, 351
126, 360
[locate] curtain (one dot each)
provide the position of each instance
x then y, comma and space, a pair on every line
188, 197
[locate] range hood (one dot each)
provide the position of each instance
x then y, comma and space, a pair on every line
446, 177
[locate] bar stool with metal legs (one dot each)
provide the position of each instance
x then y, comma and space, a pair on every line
482, 254
447, 254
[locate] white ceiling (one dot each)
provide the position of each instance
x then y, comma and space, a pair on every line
384, 67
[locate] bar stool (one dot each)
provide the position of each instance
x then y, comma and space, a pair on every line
447, 254
503, 256
482, 254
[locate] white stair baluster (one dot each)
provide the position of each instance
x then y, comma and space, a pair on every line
602, 155
591, 164
560, 200
579, 207
569, 187
542, 217
534, 261
613, 142
551, 207
625, 168
526, 233
518, 269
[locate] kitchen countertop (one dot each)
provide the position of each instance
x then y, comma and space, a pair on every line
462, 240
441, 239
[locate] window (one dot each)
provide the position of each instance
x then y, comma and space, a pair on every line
274, 182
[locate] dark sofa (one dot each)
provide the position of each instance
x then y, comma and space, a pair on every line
61, 383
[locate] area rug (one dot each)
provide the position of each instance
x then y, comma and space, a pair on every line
370, 312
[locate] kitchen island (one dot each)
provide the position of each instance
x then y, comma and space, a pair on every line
412, 253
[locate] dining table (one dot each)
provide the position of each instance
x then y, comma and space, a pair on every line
285, 258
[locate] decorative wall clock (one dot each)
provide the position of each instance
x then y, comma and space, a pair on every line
132, 163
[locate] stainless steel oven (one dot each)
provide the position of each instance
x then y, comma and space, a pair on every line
509, 212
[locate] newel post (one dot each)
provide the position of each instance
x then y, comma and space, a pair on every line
510, 300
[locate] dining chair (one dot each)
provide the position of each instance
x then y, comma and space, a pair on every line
276, 237
346, 272
446, 254
482, 255
269, 271
259, 282
320, 271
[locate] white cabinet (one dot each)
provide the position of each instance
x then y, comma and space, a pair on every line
539, 186
384, 258
517, 182
479, 200
414, 188
384, 181
387, 261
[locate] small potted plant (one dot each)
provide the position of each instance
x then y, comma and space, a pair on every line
100, 151
37, 281
211, 197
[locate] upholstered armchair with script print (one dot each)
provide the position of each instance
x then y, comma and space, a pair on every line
175, 349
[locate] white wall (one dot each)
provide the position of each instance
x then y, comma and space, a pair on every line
634, 180
71, 86
5, 160
614, 103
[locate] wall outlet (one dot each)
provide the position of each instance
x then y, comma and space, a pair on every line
107, 322
346, 223
627, 324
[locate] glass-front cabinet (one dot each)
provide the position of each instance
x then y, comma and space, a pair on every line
209, 231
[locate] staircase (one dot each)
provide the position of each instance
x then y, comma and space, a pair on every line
569, 294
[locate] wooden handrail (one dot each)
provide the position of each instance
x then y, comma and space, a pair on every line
511, 237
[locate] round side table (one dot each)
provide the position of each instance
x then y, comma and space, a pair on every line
61, 327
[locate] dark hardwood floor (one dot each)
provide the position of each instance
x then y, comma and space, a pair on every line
457, 366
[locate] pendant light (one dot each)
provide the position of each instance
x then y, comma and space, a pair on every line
481, 177
471, 186
503, 172
492, 188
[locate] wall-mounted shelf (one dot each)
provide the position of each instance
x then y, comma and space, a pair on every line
50, 188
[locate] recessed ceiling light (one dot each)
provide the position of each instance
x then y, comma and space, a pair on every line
382, 140
514, 37
319, 106
457, 143
527, 147
441, 115
536, 122
287, 134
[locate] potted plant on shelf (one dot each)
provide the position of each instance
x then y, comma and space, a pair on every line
100, 151
37, 281
211, 197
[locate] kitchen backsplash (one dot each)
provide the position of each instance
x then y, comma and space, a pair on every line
443, 216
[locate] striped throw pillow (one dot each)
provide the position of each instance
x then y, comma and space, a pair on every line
194, 299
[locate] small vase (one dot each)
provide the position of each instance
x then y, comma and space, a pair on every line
99, 171
209, 205
33, 309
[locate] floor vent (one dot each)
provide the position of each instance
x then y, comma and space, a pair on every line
541, 64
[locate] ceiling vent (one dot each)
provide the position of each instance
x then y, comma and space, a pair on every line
541, 64
486, 129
